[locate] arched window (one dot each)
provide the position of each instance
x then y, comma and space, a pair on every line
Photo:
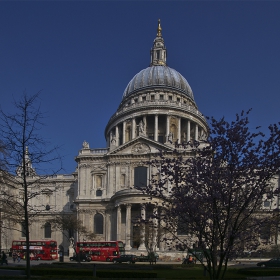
140, 176
48, 230
98, 223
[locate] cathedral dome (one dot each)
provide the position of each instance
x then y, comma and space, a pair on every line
159, 76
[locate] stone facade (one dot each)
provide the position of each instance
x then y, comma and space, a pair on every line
157, 110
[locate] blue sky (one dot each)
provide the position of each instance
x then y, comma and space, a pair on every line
82, 54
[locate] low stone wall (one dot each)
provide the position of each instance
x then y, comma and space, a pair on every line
163, 256
172, 256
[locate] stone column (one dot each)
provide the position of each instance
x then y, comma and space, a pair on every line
119, 222
196, 132
145, 124
83, 180
128, 227
188, 130
142, 227
155, 229
123, 134
133, 128
167, 127
108, 224
156, 128
162, 234
111, 136
117, 136
179, 130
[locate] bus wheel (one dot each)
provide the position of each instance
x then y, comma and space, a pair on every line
108, 259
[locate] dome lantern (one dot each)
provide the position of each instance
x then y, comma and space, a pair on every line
158, 52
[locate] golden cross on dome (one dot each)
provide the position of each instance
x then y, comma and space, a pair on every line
159, 29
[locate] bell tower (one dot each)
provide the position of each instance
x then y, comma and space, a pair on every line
29, 170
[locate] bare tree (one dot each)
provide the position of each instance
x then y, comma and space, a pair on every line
210, 194
20, 131
69, 225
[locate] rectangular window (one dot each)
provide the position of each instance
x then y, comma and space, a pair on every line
266, 203
48, 230
140, 176
152, 97
144, 98
161, 97
170, 97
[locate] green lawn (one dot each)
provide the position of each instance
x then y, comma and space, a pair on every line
179, 272
85, 271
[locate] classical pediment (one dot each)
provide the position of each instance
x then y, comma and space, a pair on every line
140, 146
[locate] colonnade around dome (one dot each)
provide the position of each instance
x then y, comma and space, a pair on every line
164, 120
163, 128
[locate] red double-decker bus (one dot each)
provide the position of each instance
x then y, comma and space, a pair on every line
39, 249
101, 250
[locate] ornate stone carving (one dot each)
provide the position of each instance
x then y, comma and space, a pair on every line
90, 211
202, 136
140, 148
113, 140
141, 130
100, 167
85, 145
83, 165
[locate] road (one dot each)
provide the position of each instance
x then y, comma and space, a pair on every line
236, 263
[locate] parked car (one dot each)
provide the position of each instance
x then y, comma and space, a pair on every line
147, 258
271, 263
125, 258
82, 257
